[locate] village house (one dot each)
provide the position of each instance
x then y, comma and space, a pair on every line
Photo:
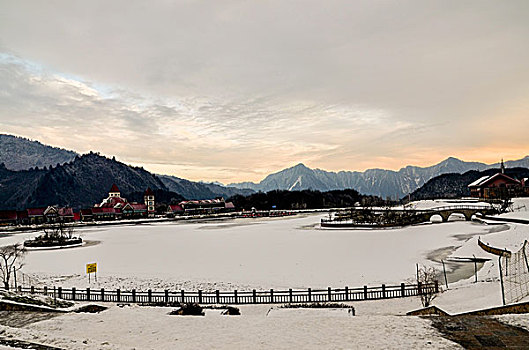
205, 206
173, 210
8, 217
50, 214
56, 214
498, 186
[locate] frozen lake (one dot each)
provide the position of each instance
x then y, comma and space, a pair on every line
263, 253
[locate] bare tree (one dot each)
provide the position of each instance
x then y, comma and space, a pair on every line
11, 257
58, 231
427, 275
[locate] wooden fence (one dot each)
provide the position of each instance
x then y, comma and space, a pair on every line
237, 297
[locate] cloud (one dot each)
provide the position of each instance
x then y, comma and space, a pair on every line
178, 135
257, 86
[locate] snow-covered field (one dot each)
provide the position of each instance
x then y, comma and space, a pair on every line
275, 253
152, 328
246, 253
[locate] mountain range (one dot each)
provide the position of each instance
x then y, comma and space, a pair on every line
378, 182
34, 174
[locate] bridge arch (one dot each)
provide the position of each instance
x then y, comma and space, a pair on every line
436, 218
476, 215
457, 216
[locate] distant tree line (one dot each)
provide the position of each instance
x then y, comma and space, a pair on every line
306, 199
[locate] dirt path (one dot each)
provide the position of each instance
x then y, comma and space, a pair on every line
481, 332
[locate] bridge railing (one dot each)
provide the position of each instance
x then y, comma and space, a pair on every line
236, 297
424, 211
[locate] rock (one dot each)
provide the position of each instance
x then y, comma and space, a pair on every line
91, 309
231, 311
188, 309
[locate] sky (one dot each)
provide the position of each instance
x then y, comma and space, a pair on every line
231, 91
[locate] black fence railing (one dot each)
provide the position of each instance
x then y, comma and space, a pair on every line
236, 297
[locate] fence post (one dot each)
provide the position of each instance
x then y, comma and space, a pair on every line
346, 293
475, 270
88, 294
20, 289
254, 296
166, 296
32, 290
383, 291
199, 296
444, 273
271, 295
501, 280
235, 296
59, 292
436, 286
118, 295
134, 295
419, 288
102, 294
149, 296
45, 290
73, 293
402, 290
217, 296
365, 292
523, 250
310, 294
329, 295
290, 295
182, 296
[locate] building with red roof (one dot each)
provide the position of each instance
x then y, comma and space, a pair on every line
86, 214
114, 191
203, 206
8, 217
174, 209
148, 199
117, 207
99, 213
497, 186
36, 215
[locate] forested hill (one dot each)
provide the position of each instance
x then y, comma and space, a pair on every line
18, 153
80, 183
456, 185
200, 190
86, 180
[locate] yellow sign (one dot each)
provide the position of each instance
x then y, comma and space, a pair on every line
91, 268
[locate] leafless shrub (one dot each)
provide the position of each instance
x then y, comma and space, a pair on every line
427, 276
11, 257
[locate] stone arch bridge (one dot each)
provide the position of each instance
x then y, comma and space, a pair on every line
446, 211
404, 216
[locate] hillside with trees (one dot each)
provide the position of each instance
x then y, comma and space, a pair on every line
80, 183
18, 153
